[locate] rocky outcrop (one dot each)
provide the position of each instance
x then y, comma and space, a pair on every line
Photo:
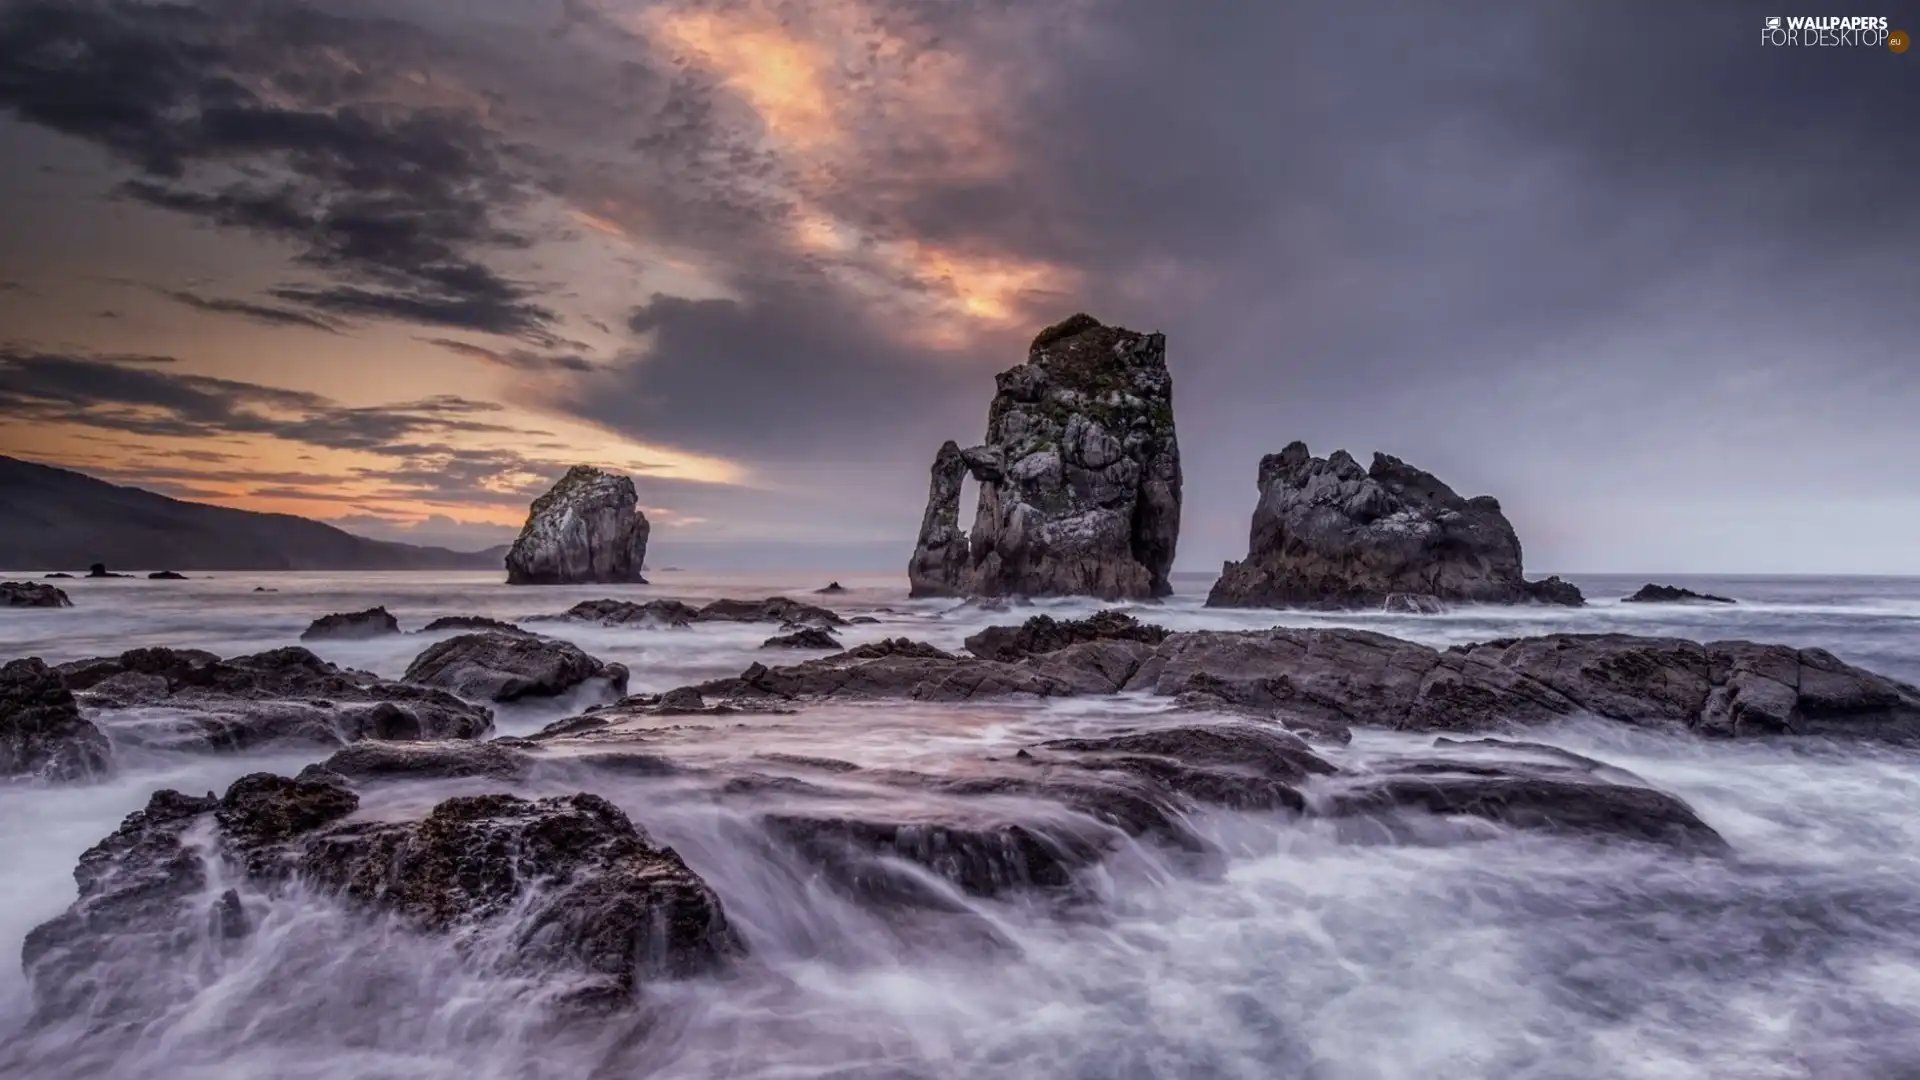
508, 667
166, 575
42, 734
1079, 476
352, 626
32, 594
1329, 534
1045, 634
588, 528
185, 699
1673, 594
565, 887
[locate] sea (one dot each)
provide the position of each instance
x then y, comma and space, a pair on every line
1302, 954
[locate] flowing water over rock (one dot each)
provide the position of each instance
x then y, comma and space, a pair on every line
1005, 888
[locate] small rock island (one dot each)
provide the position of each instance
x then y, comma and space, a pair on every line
587, 529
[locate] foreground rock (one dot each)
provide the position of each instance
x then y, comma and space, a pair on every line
1079, 476
560, 888
1327, 533
1045, 634
352, 626
1672, 594
32, 594
508, 667
587, 528
1323, 681
184, 699
42, 734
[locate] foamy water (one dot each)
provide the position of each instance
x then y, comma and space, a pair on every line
1302, 953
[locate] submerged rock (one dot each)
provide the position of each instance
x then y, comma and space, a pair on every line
1327, 533
776, 609
186, 699
659, 613
587, 528
500, 667
811, 637
42, 734
1671, 594
352, 626
562, 887
1045, 634
1079, 476
831, 588
1520, 798
470, 622
166, 575
32, 594
99, 570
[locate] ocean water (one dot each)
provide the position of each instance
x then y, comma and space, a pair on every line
1301, 953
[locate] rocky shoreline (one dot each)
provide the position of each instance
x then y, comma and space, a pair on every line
1236, 721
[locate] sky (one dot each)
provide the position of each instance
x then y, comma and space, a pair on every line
396, 264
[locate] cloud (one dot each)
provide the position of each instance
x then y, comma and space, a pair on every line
265, 314
142, 396
517, 359
259, 117
1561, 258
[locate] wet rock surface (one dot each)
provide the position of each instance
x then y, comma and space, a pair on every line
42, 734
594, 902
1328, 533
185, 699
351, 626
32, 594
1672, 594
1331, 679
500, 667
675, 614
1079, 476
586, 528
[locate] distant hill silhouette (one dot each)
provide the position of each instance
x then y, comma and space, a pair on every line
56, 519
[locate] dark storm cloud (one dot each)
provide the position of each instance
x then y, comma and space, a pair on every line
265, 314
243, 114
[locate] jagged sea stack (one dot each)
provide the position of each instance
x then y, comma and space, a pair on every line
1079, 476
1327, 533
588, 528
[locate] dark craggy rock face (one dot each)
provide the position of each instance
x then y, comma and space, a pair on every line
591, 897
508, 667
353, 625
588, 528
1327, 533
1079, 476
42, 734
32, 594
284, 696
940, 566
